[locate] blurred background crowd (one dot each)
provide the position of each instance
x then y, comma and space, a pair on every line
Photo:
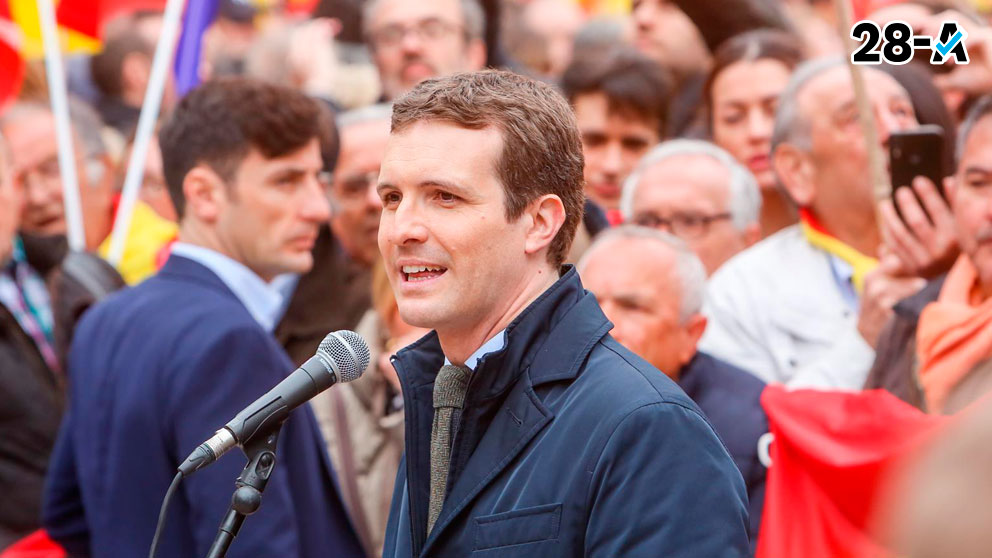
732, 230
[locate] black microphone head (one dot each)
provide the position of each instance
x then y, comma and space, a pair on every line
349, 351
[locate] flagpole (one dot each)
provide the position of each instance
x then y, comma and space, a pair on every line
146, 126
876, 158
63, 130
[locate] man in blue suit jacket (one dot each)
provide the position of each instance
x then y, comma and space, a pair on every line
156, 369
549, 439
651, 284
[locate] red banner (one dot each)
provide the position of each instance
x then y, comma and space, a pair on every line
88, 16
832, 454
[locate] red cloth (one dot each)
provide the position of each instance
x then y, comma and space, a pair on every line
88, 16
863, 8
614, 217
11, 61
300, 7
35, 545
831, 454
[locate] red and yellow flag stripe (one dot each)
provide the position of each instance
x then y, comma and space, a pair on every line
818, 237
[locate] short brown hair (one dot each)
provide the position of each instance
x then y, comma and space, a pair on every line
542, 152
219, 122
634, 85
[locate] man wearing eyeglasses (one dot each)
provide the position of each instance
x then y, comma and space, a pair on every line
698, 192
413, 41
336, 292
30, 130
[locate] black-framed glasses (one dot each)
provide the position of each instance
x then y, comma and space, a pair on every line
430, 29
682, 225
352, 187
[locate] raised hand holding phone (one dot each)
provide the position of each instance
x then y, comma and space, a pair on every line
916, 223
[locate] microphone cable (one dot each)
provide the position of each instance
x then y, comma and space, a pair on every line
162, 514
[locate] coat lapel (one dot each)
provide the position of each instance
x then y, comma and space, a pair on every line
521, 417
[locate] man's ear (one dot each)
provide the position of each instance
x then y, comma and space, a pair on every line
546, 215
96, 194
751, 234
694, 328
795, 173
205, 194
476, 54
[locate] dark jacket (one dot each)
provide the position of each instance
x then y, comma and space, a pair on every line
568, 445
895, 367
154, 370
333, 295
32, 395
731, 400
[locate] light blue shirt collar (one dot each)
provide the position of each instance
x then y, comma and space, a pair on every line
495, 343
844, 278
262, 300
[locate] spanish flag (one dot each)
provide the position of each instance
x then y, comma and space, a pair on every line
11, 61
80, 23
24, 13
88, 16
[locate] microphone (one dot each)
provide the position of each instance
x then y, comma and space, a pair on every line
342, 357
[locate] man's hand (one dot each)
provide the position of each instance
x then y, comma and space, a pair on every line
312, 57
11, 205
974, 77
926, 247
884, 287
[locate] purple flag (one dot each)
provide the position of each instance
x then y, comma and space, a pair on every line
199, 15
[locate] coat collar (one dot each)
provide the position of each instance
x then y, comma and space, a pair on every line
179, 267
533, 329
547, 342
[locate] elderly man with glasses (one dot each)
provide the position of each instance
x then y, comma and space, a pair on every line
413, 41
336, 293
698, 192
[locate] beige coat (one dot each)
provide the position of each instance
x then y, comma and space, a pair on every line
365, 443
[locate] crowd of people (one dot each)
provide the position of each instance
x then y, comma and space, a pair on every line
729, 229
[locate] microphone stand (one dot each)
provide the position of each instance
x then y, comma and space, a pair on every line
261, 452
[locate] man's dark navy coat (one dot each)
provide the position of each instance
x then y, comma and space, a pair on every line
731, 400
568, 445
154, 371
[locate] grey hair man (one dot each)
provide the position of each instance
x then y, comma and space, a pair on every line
804, 306
347, 246
698, 192
650, 284
30, 130
413, 41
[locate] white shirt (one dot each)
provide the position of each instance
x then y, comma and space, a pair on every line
495, 343
780, 311
262, 300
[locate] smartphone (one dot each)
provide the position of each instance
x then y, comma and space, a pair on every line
917, 152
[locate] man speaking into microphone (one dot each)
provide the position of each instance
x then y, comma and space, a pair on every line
529, 430
157, 369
